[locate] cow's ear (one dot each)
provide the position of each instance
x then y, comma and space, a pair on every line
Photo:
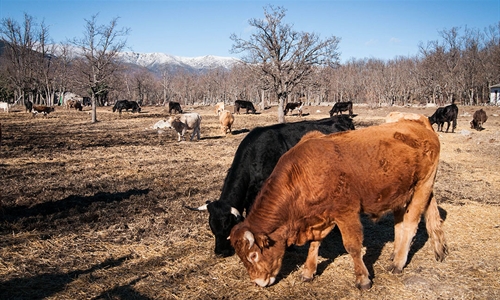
253, 257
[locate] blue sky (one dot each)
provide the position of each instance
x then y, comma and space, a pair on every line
368, 29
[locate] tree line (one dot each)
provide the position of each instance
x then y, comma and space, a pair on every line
460, 66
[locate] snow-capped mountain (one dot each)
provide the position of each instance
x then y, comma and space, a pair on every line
156, 62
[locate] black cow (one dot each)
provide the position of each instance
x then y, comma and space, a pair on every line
175, 106
293, 105
243, 104
253, 162
126, 105
445, 114
28, 105
86, 101
478, 119
339, 107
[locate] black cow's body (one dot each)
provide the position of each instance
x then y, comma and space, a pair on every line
28, 105
175, 106
291, 106
87, 101
243, 104
126, 105
478, 119
253, 162
339, 107
445, 114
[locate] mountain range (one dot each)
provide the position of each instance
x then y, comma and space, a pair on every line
157, 62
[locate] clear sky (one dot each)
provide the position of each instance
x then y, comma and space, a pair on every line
368, 29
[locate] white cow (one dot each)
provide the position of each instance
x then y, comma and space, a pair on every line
6, 106
181, 123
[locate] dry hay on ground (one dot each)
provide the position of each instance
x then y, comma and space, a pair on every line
91, 211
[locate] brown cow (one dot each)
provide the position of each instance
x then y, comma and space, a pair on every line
328, 180
226, 120
478, 120
42, 109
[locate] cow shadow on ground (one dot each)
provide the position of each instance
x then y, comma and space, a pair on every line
48, 284
375, 236
23, 216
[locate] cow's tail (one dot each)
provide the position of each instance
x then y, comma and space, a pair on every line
433, 224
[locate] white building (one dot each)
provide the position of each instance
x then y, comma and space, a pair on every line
495, 94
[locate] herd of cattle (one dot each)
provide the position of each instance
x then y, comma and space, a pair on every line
292, 183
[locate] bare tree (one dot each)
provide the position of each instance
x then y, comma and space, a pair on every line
99, 48
283, 57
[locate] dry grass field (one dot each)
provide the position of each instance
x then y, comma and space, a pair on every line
95, 211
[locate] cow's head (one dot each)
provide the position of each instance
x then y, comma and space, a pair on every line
261, 256
222, 218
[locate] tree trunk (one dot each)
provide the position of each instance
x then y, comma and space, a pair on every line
281, 110
94, 110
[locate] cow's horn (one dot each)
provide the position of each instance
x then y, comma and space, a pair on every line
201, 208
235, 212
249, 236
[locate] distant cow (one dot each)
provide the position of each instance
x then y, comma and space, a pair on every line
78, 106
328, 180
86, 101
42, 109
339, 107
6, 106
126, 105
243, 104
219, 107
175, 106
70, 103
478, 120
28, 105
226, 120
254, 160
182, 123
445, 114
293, 105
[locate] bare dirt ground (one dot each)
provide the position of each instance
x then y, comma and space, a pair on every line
95, 211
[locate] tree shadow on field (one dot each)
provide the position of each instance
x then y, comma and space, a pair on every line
63, 208
45, 285
375, 236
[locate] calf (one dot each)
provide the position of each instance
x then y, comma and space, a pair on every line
219, 107
254, 160
78, 106
243, 104
70, 103
126, 105
175, 106
182, 123
445, 114
328, 180
42, 109
478, 120
339, 107
293, 105
226, 120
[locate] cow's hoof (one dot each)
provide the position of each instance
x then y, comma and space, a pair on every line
307, 279
364, 286
395, 270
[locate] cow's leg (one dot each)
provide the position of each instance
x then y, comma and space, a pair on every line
411, 218
311, 262
398, 230
448, 127
352, 237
